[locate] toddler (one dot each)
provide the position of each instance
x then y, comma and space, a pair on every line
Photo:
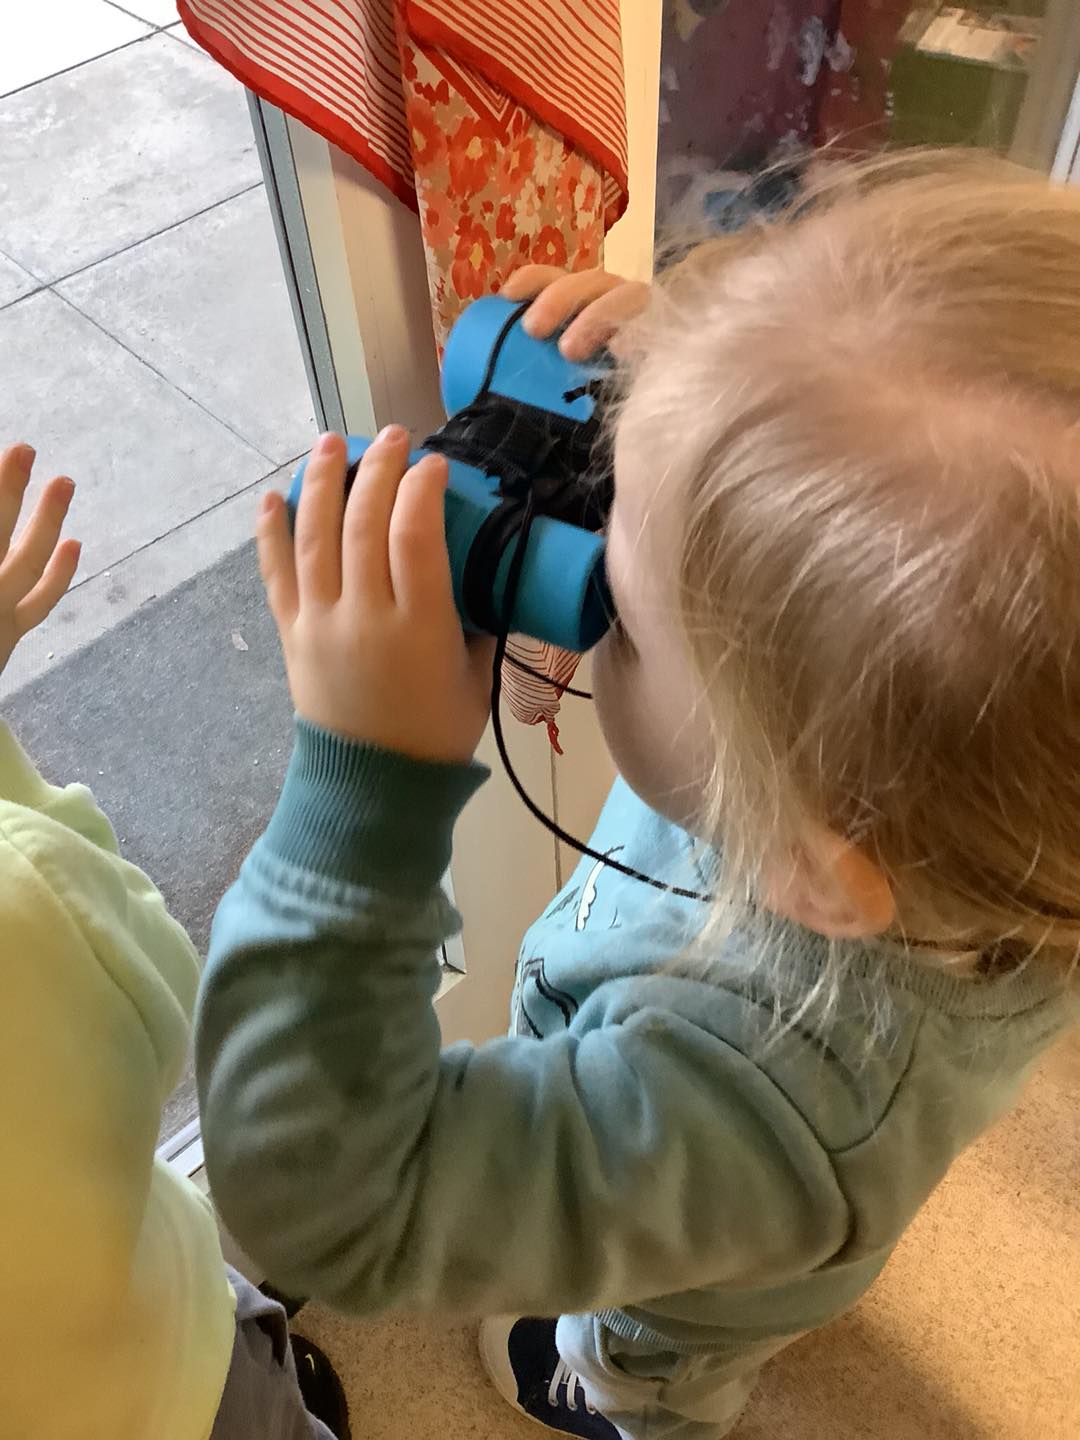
119, 1320
843, 693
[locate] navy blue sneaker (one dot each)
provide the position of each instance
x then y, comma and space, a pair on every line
530, 1374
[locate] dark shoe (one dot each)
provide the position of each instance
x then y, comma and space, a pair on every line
323, 1393
287, 1302
529, 1373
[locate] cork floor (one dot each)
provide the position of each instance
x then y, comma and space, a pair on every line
972, 1332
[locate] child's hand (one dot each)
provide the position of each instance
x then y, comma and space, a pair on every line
601, 302
364, 605
36, 571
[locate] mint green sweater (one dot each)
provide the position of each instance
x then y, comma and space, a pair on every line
116, 1317
634, 1149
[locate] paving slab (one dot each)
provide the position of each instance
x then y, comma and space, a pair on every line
205, 304
178, 32
144, 457
52, 35
15, 282
100, 157
96, 606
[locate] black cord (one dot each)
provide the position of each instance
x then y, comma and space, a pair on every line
496, 349
513, 576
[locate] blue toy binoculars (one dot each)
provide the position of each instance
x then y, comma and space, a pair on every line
530, 481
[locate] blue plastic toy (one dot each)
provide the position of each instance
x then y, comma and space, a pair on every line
526, 452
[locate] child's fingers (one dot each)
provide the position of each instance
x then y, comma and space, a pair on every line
277, 562
603, 318
523, 284
563, 298
318, 522
366, 538
26, 561
419, 560
15, 465
51, 588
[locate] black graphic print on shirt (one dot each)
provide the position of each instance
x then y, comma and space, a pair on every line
538, 1004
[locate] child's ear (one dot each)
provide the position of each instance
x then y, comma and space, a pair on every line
827, 884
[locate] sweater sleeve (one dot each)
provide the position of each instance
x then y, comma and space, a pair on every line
360, 1163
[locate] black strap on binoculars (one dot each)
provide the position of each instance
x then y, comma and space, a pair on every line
543, 464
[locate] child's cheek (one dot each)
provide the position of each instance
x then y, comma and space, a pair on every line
630, 721
611, 663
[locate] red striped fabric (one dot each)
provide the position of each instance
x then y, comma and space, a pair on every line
529, 698
335, 65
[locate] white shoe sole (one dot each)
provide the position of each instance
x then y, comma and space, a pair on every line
495, 1358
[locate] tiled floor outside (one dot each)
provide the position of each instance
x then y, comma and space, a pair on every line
147, 349
146, 339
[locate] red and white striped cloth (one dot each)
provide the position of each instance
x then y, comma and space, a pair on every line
533, 700
335, 64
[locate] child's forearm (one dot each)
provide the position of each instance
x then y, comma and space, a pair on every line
317, 1047
356, 1161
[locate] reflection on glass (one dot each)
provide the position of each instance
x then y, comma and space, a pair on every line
746, 83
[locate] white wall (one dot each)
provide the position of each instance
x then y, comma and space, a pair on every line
629, 247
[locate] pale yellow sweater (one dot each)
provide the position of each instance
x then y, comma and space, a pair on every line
116, 1317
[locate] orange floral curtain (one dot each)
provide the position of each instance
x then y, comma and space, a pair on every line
494, 191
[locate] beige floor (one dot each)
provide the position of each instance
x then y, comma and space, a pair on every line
972, 1333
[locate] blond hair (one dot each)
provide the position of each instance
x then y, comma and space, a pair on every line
871, 410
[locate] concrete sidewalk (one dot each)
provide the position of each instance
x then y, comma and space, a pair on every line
146, 338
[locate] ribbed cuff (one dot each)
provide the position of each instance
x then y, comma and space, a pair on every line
368, 816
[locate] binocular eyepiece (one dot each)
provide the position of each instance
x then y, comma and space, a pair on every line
530, 481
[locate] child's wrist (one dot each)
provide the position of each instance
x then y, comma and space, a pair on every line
362, 815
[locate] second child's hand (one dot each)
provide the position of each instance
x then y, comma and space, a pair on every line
364, 605
37, 568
